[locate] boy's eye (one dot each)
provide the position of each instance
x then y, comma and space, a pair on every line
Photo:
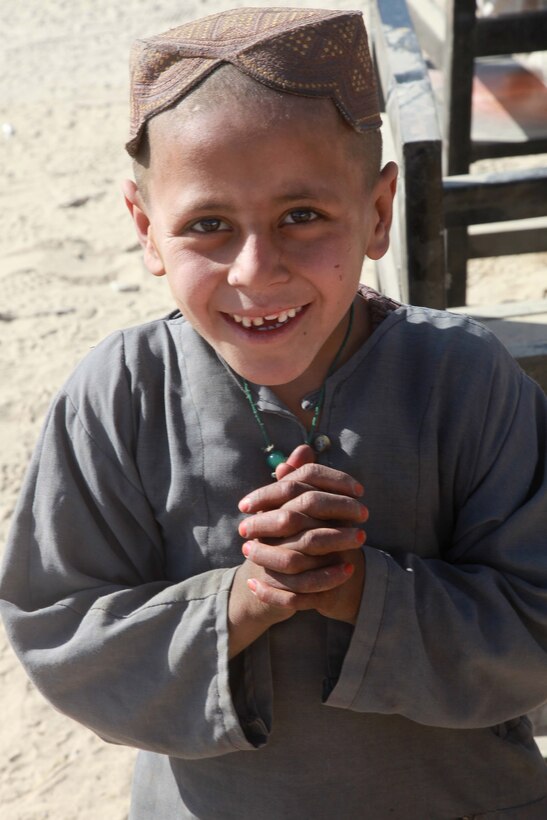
300, 216
210, 224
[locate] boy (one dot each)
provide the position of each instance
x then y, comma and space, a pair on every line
313, 676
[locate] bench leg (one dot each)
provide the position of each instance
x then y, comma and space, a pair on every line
456, 266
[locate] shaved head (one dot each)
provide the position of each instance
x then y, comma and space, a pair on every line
229, 88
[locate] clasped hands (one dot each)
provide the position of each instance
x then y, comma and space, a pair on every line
302, 549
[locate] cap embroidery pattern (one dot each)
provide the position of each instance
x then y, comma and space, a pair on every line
311, 52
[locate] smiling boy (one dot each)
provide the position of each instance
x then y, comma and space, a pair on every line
164, 591
258, 207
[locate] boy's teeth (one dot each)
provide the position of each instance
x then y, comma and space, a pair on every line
246, 321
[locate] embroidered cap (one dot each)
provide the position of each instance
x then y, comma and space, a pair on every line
308, 52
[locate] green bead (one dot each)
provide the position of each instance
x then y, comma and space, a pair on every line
275, 458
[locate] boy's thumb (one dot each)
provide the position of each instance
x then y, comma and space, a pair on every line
303, 454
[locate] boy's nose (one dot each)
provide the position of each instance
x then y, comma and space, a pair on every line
257, 264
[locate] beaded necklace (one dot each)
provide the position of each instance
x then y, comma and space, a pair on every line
275, 457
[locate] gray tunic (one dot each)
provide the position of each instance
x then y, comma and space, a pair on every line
124, 546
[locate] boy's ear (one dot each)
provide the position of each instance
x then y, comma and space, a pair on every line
382, 196
137, 209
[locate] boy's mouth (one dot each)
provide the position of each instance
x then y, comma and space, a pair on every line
271, 321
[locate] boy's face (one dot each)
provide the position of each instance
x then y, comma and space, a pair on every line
261, 228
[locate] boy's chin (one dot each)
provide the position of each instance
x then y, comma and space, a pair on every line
266, 375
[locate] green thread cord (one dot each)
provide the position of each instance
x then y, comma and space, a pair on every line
274, 456
256, 414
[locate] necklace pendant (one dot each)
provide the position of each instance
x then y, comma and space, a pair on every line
321, 443
274, 457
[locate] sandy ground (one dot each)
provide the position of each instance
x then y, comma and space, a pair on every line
70, 272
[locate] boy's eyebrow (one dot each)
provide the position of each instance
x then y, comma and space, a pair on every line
307, 193
207, 205
299, 193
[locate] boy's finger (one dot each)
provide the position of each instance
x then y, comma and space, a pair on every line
303, 454
283, 560
329, 479
328, 507
273, 496
309, 476
276, 524
286, 590
313, 549
306, 512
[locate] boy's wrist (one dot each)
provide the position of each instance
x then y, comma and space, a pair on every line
248, 617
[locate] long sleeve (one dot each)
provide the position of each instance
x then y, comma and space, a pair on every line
460, 639
111, 642
118, 569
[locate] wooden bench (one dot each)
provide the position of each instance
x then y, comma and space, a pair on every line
492, 105
428, 202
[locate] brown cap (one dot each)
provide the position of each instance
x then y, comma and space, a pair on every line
309, 52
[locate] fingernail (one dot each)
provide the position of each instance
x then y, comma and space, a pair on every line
358, 489
243, 529
360, 537
245, 505
251, 583
363, 513
245, 549
348, 569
